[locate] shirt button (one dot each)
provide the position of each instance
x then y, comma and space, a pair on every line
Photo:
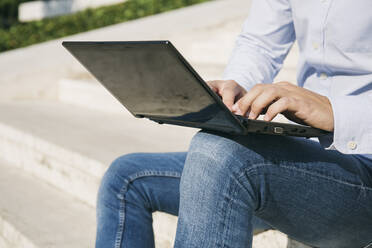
315, 46
323, 76
352, 145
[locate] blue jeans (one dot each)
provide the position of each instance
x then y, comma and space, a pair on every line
231, 185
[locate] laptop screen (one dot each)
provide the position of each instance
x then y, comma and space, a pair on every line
150, 79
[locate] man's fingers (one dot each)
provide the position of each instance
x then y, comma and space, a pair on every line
244, 103
229, 90
262, 101
283, 104
228, 97
213, 85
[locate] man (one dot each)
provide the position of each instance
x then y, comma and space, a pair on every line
317, 193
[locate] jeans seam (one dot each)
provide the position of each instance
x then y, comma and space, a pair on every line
227, 215
220, 242
314, 175
251, 171
232, 193
247, 170
362, 187
123, 191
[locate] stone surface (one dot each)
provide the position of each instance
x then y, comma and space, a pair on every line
295, 244
201, 37
37, 10
34, 214
89, 94
270, 239
71, 147
24, 77
207, 48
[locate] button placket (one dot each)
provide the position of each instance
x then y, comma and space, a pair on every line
315, 45
352, 145
322, 46
323, 76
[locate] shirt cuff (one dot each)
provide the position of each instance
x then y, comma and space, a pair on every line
352, 125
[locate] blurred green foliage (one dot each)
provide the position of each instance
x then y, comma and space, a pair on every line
9, 12
24, 34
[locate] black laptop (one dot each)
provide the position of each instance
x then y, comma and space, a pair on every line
153, 80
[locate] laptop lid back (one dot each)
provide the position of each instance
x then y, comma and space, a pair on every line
152, 79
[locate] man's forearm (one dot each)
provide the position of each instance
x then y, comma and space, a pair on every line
264, 42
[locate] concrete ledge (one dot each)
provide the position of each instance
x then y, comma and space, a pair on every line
51, 163
165, 229
35, 215
295, 244
37, 10
24, 77
89, 94
11, 237
202, 38
71, 147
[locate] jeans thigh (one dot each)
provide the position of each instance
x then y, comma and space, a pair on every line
317, 209
320, 197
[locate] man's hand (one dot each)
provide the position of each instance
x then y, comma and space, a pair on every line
297, 104
229, 90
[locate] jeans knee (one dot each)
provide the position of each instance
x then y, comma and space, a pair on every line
133, 178
222, 154
215, 161
116, 176
210, 160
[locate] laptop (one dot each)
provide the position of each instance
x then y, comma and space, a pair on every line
153, 80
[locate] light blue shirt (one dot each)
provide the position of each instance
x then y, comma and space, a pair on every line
335, 43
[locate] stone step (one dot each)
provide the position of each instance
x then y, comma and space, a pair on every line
71, 147
295, 244
185, 27
87, 92
34, 214
84, 90
201, 38
37, 10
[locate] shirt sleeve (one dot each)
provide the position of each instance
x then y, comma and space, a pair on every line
267, 35
352, 124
